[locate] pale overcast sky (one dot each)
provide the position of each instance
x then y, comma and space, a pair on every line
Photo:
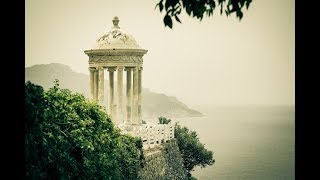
217, 61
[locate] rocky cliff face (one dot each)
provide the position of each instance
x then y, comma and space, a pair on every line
153, 104
164, 162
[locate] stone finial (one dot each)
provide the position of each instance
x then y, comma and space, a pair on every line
115, 22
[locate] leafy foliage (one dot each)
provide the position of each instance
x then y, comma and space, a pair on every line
164, 120
174, 161
199, 8
193, 151
68, 137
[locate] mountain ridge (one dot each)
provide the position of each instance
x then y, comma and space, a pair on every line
153, 104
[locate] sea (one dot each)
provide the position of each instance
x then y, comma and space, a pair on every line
248, 142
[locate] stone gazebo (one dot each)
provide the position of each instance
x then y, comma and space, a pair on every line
117, 51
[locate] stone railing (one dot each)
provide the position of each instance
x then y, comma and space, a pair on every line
151, 134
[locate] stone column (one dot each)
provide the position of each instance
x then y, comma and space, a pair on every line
135, 96
140, 95
120, 93
129, 94
111, 94
101, 86
91, 83
96, 85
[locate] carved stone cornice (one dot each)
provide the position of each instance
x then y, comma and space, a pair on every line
114, 64
115, 52
124, 59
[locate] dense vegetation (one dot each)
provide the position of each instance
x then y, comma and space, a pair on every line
192, 150
68, 137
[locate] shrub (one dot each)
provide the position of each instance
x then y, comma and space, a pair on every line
68, 137
164, 120
193, 151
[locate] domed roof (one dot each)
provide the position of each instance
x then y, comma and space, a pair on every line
116, 38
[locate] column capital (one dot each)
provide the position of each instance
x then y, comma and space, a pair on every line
100, 68
111, 69
120, 68
128, 68
92, 68
140, 68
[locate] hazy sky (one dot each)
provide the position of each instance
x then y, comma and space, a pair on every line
217, 61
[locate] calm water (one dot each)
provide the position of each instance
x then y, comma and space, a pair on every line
247, 142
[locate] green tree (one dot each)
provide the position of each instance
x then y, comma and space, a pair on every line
164, 120
68, 137
192, 150
199, 8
